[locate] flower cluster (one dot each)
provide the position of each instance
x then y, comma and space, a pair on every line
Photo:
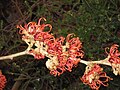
114, 54
2, 81
68, 53
63, 53
95, 77
33, 35
115, 59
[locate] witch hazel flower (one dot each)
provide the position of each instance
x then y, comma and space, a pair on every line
114, 54
63, 53
114, 59
33, 34
95, 77
3, 81
68, 53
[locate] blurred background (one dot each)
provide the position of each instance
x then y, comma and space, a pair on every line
95, 22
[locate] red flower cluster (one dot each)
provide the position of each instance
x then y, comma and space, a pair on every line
63, 53
2, 81
33, 35
114, 54
115, 59
68, 55
95, 77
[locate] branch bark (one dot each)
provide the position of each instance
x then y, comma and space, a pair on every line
104, 62
13, 55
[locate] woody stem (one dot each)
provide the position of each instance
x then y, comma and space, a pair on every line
104, 62
15, 55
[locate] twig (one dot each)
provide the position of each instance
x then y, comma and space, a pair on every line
17, 84
13, 55
104, 62
16, 54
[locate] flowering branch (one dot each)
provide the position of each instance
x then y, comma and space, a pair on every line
65, 53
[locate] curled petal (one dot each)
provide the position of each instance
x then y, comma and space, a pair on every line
31, 27
40, 20
68, 36
48, 25
42, 26
21, 29
60, 40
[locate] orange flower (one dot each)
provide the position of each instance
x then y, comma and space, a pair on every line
114, 54
33, 35
68, 54
115, 59
95, 77
63, 54
33, 27
2, 81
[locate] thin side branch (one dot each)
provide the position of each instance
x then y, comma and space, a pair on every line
14, 55
17, 84
104, 62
